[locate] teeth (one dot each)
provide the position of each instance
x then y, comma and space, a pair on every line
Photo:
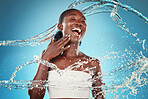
79, 30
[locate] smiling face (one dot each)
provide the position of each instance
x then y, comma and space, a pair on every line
73, 24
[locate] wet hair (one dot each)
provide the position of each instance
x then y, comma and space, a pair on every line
59, 34
64, 14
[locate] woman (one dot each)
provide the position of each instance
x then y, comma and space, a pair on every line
63, 51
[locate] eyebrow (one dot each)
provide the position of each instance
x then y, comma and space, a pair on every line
75, 15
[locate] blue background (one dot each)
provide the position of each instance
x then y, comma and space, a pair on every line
22, 19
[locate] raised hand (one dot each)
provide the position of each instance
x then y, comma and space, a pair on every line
55, 48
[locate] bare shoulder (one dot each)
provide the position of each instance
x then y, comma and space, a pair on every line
93, 62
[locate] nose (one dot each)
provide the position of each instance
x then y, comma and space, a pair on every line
78, 23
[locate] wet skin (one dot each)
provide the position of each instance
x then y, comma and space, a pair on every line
68, 45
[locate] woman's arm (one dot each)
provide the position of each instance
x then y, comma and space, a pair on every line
97, 91
38, 93
53, 50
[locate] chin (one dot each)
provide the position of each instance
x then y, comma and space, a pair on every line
74, 40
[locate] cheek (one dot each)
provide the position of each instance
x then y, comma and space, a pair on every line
66, 28
85, 27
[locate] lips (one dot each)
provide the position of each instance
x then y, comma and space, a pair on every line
76, 31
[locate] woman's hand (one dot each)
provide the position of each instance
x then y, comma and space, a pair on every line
55, 48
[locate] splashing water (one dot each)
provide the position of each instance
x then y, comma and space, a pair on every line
130, 73
98, 6
113, 80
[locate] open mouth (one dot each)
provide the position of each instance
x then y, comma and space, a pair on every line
76, 31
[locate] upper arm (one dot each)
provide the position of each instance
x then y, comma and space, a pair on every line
97, 77
96, 63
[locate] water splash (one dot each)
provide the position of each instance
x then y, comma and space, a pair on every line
95, 7
128, 76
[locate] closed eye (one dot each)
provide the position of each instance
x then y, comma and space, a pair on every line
72, 18
83, 21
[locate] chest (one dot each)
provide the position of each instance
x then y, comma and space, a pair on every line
72, 63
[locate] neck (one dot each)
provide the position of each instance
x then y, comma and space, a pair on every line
72, 51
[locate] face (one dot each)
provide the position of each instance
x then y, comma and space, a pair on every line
74, 24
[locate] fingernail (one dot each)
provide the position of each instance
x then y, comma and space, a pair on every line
68, 45
68, 35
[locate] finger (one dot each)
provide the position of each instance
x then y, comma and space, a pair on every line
52, 40
63, 43
65, 48
61, 39
43, 52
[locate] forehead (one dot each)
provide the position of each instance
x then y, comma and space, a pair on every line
75, 13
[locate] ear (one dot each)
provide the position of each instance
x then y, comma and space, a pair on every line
60, 27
